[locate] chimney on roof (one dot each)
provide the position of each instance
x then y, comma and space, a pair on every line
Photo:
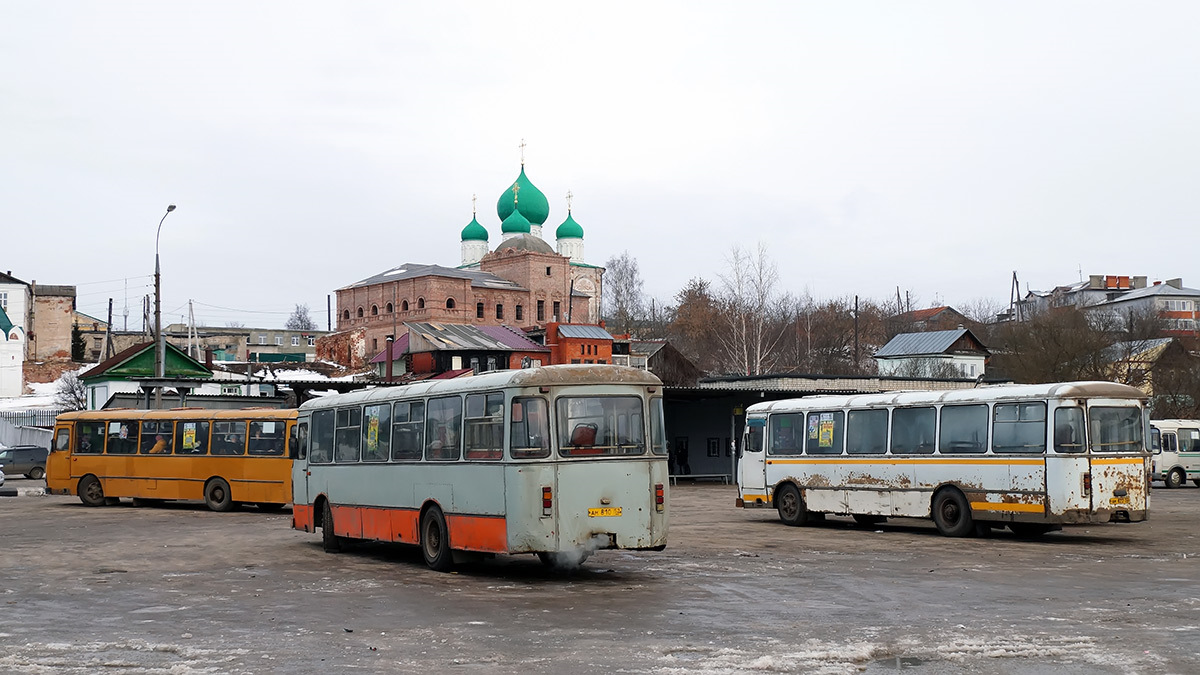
1175, 283
208, 356
1158, 283
1138, 282
1095, 281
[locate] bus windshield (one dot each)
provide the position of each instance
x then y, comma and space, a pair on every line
1115, 429
600, 425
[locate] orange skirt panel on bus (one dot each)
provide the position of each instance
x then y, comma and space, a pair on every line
487, 534
302, 517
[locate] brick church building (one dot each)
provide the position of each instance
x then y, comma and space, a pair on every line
523, 282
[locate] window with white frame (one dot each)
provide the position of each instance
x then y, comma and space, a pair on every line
262, 339
312, 342
295, 340
4, 300
278, 340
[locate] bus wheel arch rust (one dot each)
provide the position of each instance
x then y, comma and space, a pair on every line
330, 541
952, 512
789, 501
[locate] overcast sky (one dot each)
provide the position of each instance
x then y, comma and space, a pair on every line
935, 147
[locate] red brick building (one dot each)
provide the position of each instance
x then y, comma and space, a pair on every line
522, 282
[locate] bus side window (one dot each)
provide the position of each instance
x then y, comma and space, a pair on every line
1168, 443
62, 441
191, 438
298, 444
1068, 430
913, 431
321, 441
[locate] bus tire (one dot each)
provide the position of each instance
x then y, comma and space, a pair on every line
790, 505
217, 496
952, 514
435, 540
90, 491
1175, 478
329, 540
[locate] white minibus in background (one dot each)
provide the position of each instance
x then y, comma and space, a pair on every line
1177, 451
1029, 457
558, 460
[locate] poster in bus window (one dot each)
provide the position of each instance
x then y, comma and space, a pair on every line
813, 427
189, 435
372, 429
825, 433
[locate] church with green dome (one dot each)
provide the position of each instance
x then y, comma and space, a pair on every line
520, 281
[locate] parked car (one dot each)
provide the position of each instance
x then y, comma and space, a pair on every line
1, 476
29, 460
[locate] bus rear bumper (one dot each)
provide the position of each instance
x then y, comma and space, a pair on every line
1085, 517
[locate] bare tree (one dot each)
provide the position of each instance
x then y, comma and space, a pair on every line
300, 319
70, 392
623, 294
754, 312
235, 324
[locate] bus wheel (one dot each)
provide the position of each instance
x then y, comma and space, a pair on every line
329, 541
91, 492
868, 520
217, 496
792, 510
435, 540
267, 506
952, 514
1175, 478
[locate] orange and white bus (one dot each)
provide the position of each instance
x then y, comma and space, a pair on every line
559, 461
224, 457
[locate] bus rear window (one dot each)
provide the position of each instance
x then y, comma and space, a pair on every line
1115, 429
600, 425
529, 436
658, 431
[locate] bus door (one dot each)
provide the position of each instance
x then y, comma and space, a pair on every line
752, 480
1067, 465
58, 464
298, 452
1117, 457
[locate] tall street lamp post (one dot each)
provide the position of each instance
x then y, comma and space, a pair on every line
160, 343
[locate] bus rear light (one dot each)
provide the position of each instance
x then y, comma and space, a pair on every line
1087, 484
547, 501
659, 501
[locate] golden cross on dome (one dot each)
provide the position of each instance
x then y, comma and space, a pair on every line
473, 211
522, 146
569, 198
516, 191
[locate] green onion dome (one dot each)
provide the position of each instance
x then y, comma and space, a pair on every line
531, 202
515, 223
474, 231
569, 229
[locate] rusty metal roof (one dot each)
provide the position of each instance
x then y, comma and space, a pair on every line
413, 271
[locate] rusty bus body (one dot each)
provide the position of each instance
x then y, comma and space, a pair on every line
1029, 457
558, 461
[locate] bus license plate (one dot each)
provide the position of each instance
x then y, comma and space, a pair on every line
605, 512
1118, 500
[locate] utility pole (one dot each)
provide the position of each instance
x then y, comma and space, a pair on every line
160, 340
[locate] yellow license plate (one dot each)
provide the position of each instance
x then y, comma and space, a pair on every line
605, 512
1118, 500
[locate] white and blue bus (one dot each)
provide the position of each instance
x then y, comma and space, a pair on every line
1028, 457
559, 461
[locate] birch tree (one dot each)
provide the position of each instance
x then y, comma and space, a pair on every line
751, 310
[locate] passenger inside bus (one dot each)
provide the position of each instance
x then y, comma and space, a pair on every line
160, 447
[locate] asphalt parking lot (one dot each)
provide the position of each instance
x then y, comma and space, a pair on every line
179, 589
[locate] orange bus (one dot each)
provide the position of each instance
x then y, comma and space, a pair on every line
225, 457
